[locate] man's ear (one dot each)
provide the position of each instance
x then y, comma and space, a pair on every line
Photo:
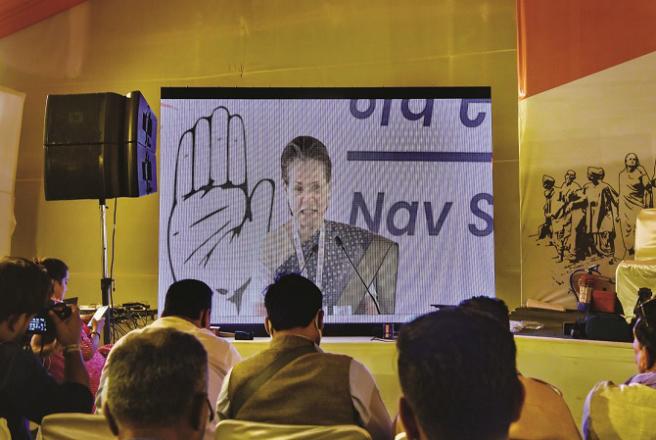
268, 326
205, 318
319, 319
110, 419
408, 419
197, 415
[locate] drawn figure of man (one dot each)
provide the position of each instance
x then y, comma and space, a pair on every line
601, 202
562, 217
545, 231
635, 194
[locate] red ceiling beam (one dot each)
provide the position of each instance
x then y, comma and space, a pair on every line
19, 14
563, 40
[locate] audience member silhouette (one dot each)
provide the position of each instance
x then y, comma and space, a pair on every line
545, 413
89, 336
187, 308
458, 377
639, 390
294, 381
27, 391
157, 387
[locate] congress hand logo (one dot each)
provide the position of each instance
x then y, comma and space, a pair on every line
213, 225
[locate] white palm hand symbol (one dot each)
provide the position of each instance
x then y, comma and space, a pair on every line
214, 227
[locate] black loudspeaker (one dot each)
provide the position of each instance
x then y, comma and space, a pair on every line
99, 146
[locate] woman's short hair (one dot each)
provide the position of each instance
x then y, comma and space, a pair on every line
304, 148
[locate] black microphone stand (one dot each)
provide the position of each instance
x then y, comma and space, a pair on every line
307, 260
340, 243
382, 261
106, 281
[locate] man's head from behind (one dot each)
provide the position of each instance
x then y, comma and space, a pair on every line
24, 290
492, 307
294, 303
156, 383
458, 377
189, 299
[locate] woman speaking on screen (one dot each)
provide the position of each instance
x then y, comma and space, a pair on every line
355, 269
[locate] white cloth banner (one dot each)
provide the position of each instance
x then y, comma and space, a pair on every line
11, 117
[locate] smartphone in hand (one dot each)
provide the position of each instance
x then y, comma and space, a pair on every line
100, 312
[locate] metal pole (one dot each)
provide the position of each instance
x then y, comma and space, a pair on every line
103, 232
106, 281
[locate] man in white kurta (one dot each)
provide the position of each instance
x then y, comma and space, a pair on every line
187, 309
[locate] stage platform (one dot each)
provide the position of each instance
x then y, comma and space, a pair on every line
572, 365
552, 321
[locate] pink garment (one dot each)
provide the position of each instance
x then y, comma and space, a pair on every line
94, 361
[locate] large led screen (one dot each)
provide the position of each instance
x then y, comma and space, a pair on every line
382, 197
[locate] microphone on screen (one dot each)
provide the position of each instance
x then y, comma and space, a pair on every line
340, 243
313, 250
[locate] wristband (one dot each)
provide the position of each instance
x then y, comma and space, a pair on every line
95, 333
71, 348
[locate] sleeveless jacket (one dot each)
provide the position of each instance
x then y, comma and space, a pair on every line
313, 389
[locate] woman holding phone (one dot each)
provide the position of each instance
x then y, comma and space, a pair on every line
89, 337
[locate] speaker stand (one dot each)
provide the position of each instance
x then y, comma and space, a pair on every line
105, 282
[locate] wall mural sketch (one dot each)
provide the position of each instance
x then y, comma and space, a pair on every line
583, 221
591, 221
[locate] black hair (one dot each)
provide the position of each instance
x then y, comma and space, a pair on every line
458, 374
304, 148
645, 330
187, 299
492, 307
57, 269
155, 376
24, 287
292, 301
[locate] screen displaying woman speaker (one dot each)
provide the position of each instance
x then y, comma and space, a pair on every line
99, 146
